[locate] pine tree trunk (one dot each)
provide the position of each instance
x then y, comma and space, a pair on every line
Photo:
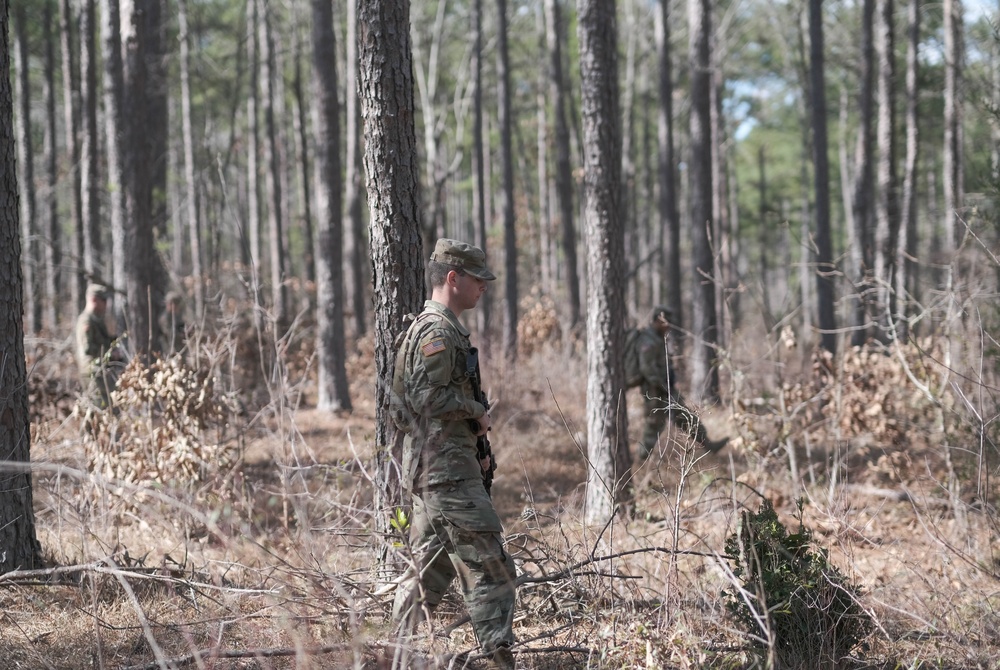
333, 388
907, 286
114, 126
90, 178
480, 196
26, 174
71, 122
704, 374
192, 224
669, 217
887, 205
302, 133
53, 233
392, 169
21, 550
863, 250
545, 265
255, 242
607, 421
507, 187
825, 267
273, 175
953, 156
563, 167
354, 242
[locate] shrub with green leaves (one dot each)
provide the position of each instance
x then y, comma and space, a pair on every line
797, 607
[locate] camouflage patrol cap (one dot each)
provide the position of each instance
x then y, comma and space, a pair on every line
661, 310
98, 291
463, 256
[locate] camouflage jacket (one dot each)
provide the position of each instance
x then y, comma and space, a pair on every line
432, 400
93, 340
657, 373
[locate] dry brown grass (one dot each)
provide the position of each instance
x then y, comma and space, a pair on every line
266, 560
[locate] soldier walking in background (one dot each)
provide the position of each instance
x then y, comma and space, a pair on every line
97, 354
661, 399
454, 528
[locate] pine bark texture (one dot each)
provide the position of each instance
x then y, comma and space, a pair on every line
825, 267
355, 254
907, 287
333, 388
704, 373
863, 247
90, 194
887, 205
393, 173
563, 167
953, 155
26, 173
507, 187
20, 548
607, 422
670, 225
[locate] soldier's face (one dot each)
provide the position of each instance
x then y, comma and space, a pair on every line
469, 289
100, 305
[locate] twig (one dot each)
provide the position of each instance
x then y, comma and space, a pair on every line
204, 654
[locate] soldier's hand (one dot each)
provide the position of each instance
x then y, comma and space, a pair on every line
484, 424
486, 463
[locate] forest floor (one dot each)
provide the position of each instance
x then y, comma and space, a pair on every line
253, 546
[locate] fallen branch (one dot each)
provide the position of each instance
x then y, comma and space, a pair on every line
212, 654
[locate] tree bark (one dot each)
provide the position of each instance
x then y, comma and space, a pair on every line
302, 132
90, 194
144, 114
272, 176
114, 126
71, 122
704, 373
192, 224
480, 197
563, 167
607, 421
667, 202
53, 233
953, 153
507, 187
255, 243
887, 205
21, 550
392, 168
26, 173
354, 246
825, 267
863, 250
333, 389
907, 287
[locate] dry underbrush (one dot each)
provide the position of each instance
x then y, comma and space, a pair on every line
205, 535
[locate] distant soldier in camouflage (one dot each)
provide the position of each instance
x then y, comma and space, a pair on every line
661, 398
96, 352
173, 330
454, 528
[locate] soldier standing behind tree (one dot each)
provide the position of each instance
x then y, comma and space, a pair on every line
661, 399
454, 528
96, 351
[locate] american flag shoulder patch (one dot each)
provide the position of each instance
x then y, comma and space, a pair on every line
435, 346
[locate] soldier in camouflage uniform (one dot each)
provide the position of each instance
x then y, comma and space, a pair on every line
454, 528
661, 398
95, 348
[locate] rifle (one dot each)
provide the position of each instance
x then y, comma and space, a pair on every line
483, 448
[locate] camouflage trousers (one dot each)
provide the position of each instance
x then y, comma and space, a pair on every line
658, 409
455, 532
